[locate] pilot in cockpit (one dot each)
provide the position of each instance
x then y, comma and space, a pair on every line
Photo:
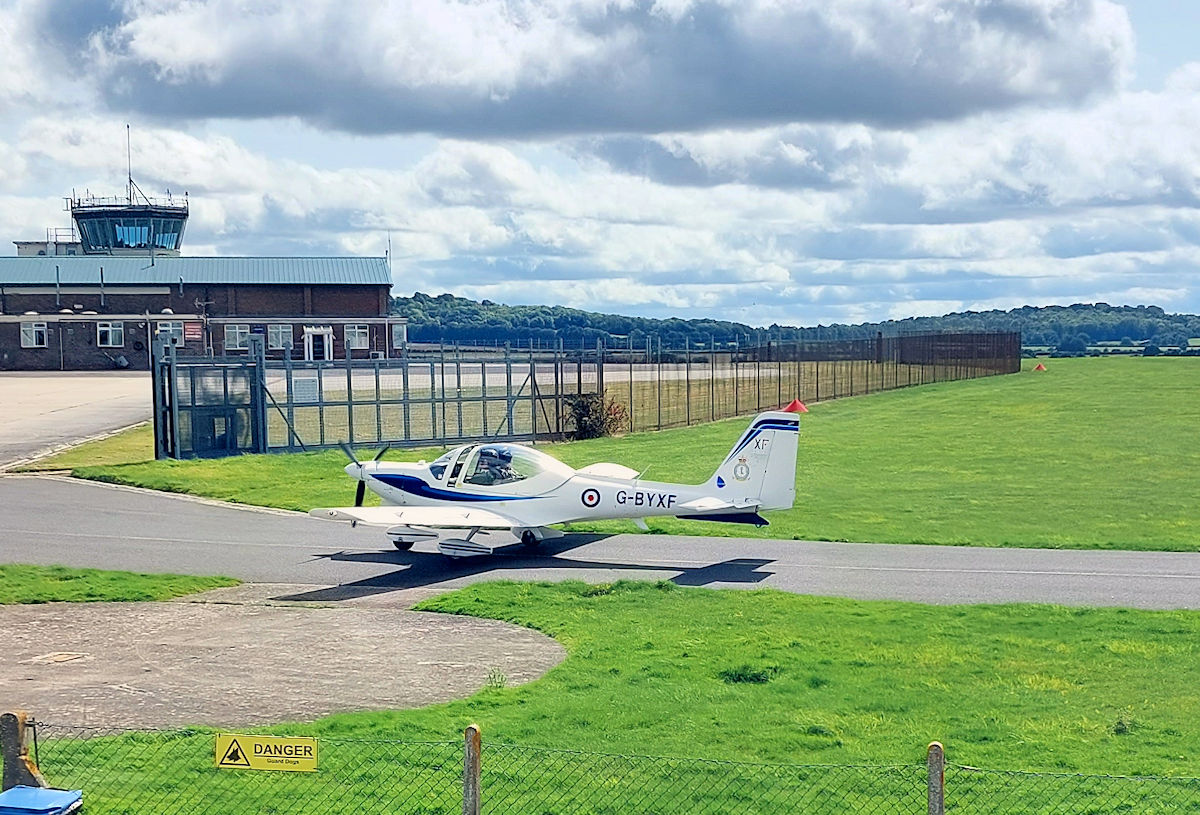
494, 467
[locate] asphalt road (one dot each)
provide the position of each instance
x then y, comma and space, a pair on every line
42, 411
51, 520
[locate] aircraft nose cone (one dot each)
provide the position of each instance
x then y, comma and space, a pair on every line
352, 470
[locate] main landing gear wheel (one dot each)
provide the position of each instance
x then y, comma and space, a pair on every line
529, 539
403, 546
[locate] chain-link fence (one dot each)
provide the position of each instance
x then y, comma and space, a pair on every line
175, 773
526, 780
165, 772
994, 792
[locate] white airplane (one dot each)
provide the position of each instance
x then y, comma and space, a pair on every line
500, 486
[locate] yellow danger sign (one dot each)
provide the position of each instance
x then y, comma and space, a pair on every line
238, 752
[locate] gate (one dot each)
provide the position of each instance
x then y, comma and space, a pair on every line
219, 406
208, 407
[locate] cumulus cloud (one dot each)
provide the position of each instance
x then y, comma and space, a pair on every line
893, 159
489, 221
548, 67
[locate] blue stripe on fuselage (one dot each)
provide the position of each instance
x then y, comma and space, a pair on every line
415, 486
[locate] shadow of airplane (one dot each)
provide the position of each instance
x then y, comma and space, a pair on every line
419, 569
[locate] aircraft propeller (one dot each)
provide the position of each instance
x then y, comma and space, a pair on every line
360, 491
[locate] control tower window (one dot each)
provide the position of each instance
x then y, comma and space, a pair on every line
131, 234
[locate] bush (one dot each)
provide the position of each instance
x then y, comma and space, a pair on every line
594, 417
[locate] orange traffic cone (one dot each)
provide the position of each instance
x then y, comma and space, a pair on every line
1039, 367
795, 406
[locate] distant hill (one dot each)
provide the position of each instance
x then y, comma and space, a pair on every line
454, 319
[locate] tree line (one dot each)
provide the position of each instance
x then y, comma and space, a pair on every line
446, 318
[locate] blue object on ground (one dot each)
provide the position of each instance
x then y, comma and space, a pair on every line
38, 801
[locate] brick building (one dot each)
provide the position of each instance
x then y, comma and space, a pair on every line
97, 297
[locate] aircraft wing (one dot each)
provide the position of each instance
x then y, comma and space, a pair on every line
435, 517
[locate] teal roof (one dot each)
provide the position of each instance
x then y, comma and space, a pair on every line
137, 270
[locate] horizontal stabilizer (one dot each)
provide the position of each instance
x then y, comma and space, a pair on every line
707, 504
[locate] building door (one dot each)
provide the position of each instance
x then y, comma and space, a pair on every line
318, 343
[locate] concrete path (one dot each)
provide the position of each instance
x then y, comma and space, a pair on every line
225, 658
43, 411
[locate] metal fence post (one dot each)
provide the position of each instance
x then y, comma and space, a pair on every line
687, 380
508, 391
473, 748
349, 397
293, 436
600, 363
935, 763
658, 381
259, 395
629, 343
533, 393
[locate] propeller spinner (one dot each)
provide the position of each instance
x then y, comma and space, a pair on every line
360, 492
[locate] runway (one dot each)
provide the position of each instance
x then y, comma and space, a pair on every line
57, 520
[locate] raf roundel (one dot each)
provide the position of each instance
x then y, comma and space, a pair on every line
590, 497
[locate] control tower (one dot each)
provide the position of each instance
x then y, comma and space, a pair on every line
135, 225
130, 225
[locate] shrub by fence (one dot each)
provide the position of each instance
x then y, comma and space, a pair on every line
174, 773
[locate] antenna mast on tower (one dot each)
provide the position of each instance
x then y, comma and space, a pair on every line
128, 166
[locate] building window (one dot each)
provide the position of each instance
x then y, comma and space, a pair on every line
358, 337
279, 336
171, 331
110, 335
33, 335
399, 335
237, 338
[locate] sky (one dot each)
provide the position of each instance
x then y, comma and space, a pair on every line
799, 162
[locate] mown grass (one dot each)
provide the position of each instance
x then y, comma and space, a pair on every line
58, 584
1093, 453
763, 676
135, 444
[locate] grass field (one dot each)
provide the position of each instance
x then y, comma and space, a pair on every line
57, 584
1093, 453
763, 676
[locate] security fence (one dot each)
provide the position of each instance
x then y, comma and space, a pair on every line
175, 773
659, 388
256, 402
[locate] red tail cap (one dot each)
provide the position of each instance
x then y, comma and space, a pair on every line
795, 406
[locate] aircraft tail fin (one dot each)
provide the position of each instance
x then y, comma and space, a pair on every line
760, 470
